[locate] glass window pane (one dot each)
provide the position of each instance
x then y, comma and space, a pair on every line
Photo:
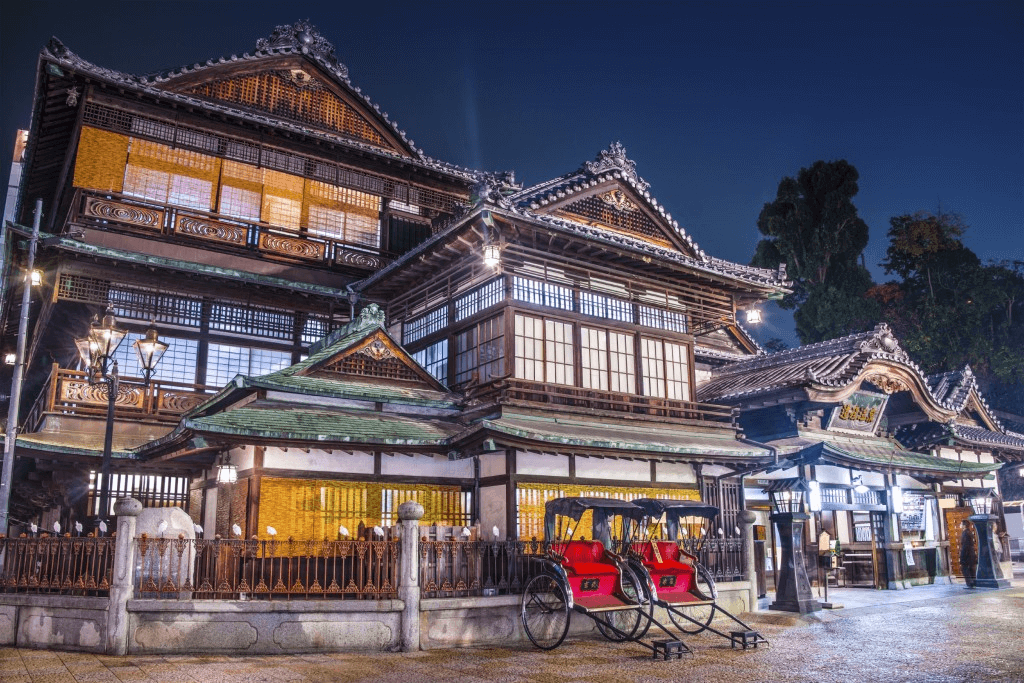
594, 351
178, 364
652, 359
622, 362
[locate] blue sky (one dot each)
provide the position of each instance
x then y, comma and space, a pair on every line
716, 102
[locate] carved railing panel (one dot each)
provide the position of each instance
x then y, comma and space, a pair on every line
359, 259
177, 402
291, 246
80, 391
204, 228
120, 212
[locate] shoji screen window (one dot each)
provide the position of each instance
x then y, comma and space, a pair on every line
608, 360
544, 350
343, 214
170, 176
481, 350
665, 369
178, 364
224, 361
241, 191
282, 199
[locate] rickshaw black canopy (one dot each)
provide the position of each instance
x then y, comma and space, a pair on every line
603, 509
654, 507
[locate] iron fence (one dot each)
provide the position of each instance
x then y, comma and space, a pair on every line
457, 568
221, 569
63, 565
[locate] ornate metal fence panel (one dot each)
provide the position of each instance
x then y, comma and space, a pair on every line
63, 565
220, 569
457, 568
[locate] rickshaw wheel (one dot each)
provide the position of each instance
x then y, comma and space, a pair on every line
703, 614
545, 612
631, 622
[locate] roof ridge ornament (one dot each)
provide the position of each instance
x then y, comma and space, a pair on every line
304, 37
370, 316
614, 159
495, 187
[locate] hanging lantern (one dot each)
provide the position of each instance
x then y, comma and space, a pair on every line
150, 349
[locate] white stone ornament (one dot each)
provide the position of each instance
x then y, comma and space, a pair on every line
236, 530
378, 531
495, 531
56, 527
343, 530
466, 532
271, 531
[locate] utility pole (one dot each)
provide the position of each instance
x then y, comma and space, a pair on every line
19, 377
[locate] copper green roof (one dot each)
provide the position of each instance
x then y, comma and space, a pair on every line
875, 453
288, 422
637, 436
77, 443
353, 389
75, 246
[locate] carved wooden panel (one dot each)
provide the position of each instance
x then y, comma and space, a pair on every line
108, 210
194, 226
177, 401
292, 247
359, 259
74, 391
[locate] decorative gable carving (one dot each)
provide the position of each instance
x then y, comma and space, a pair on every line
613, 209
376, 357
294, 93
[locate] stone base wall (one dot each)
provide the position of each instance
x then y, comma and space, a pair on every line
262, 627
465, 622
54, 622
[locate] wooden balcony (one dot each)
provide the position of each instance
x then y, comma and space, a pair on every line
68, 392
112, 211
512, 391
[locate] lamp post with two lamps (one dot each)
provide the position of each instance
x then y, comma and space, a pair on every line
97, 351
790, 500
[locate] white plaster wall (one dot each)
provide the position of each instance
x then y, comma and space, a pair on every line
607, 468
948, 453
827, 474
318, 461
242, 458
493, 510
492, 464
426, 466
909, 483
872, 478
543, 464
675, 473
702, 376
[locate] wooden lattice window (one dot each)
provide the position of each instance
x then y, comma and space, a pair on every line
624, 216
308, 102
364, 365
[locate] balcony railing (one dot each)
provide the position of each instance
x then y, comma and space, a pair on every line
177, 224
514, 391
68, 392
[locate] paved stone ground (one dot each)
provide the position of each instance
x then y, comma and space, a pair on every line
936, 634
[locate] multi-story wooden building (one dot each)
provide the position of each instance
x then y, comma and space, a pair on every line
251, 205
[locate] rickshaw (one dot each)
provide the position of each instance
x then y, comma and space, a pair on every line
672, 577
577, 575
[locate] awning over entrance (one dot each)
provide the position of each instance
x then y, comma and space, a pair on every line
878, 455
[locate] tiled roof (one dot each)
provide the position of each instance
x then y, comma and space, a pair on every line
954, 389
873, 453
286, 40
919, 436
353, 389
309, 423
74, 246
832, 363
639, 437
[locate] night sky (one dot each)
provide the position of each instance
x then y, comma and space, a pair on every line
716, 102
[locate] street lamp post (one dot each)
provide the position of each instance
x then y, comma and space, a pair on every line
789, 515
97, 351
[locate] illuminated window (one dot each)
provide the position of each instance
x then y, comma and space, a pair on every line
608, 361
343, 214
192, 193
665, 369
239, 203
542, 293
434, 360
282, 199
224, 361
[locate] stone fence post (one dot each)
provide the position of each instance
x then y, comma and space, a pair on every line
746, 519
409, 514
122, 586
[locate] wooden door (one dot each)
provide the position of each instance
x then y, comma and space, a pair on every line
954, 518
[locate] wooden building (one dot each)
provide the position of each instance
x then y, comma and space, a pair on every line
893, 455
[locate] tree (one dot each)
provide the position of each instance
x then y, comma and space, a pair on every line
950, 310
812, 226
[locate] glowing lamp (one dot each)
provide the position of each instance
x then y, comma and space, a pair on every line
753, 316
150, 349
227, 474
896, 496
492, 255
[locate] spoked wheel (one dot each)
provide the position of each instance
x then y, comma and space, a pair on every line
631, 623
702, 614
545, 612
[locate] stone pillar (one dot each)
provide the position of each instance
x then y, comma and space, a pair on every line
122, 586
746, 519
409, 514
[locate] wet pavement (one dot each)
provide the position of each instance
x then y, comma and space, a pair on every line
935, 633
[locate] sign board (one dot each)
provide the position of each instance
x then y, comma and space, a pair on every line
860, 413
